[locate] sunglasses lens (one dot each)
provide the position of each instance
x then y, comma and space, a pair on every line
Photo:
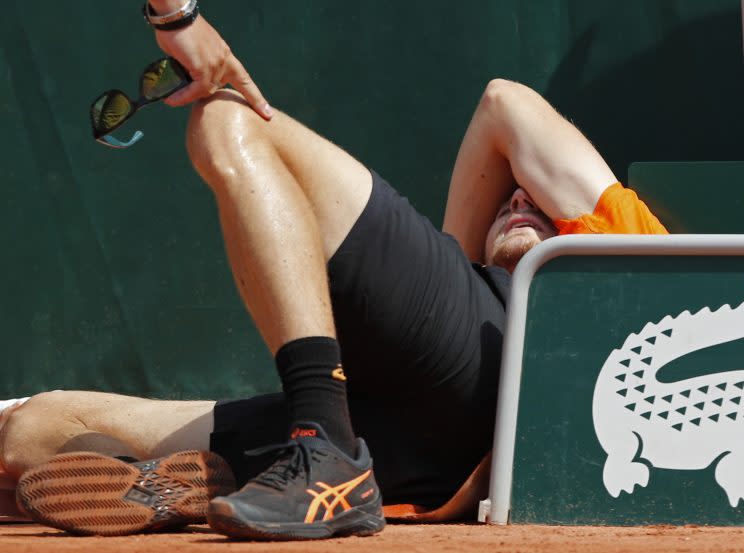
162, 78
110, 111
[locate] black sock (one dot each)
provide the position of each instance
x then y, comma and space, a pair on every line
315, 387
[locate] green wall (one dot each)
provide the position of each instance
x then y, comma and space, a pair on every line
559, 460
114, 275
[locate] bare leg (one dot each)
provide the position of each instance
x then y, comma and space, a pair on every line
287, 199
57, 422
515, 136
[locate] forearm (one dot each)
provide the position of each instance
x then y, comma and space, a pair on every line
481, 181
517, 138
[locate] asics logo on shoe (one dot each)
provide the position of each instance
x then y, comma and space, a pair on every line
304, 433
338, 374
332, 498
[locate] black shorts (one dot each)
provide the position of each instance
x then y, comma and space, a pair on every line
420, 330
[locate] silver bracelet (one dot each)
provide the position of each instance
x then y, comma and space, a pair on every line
181, 13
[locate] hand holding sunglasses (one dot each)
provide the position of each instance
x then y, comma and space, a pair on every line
113, 108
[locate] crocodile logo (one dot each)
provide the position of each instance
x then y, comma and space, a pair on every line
683, 425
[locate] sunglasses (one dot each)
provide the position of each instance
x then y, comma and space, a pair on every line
113, 108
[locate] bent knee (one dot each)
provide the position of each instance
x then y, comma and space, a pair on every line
19, 434
221, 130
31, 432
220, 108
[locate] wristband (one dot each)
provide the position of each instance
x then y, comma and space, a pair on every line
178, 19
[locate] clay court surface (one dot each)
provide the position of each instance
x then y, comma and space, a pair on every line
403, 538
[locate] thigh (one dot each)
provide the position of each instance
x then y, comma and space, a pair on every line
413, 317
336, 185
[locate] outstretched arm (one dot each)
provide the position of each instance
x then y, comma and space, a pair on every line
517, 138
208, 59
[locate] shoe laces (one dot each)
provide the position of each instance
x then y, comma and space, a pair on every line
294, 459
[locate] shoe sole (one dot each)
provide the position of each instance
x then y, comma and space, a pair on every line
92, 494
357, 521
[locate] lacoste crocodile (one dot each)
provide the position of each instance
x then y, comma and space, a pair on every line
683, 425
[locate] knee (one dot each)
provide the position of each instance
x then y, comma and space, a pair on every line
17, 435
223, 110
223, 133
28, 434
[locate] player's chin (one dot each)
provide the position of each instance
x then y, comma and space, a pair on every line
508, 250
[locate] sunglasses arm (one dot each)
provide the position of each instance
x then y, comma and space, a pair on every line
113, 142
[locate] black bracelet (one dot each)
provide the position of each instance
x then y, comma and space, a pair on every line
173, 25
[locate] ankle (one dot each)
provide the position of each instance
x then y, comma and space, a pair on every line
315, 387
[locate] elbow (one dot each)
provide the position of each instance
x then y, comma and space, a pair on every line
501, 95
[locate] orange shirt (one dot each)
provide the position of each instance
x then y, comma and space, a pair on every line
618, 211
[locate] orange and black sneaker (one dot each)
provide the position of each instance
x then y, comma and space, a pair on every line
88, 493
312, 491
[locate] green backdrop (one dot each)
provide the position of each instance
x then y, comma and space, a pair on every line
558, 461
114, 275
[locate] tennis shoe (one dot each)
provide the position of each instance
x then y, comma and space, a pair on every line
312, 491
88, 493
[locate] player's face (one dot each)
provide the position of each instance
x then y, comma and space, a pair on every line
519, 226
